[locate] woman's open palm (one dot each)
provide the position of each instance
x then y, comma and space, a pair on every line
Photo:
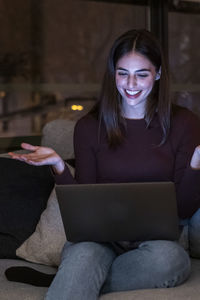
38, 156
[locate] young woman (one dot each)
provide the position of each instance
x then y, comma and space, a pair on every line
132, 134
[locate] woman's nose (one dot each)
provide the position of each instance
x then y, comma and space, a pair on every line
132, 81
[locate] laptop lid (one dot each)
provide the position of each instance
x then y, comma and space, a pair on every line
119, 212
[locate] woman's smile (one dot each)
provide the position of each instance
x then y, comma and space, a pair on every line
132, 94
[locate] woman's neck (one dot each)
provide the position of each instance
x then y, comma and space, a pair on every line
133, 114
133, 111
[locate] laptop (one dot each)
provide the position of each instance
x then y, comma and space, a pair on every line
119, 211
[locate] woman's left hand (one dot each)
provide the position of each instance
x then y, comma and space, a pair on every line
195, 161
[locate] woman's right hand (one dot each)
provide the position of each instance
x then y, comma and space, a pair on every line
40, 156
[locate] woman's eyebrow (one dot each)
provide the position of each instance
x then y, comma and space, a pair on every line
140, 70
144, 70
119, 68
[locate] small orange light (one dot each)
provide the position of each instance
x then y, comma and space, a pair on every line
76, 107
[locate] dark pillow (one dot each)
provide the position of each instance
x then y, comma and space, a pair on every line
24, 192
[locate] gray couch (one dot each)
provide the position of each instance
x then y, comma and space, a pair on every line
58, 134
190, 290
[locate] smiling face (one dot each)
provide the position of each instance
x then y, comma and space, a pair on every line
134, 76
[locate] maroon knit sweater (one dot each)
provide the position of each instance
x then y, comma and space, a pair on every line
139, 158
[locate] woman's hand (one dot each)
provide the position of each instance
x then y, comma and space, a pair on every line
40, 156
195, 161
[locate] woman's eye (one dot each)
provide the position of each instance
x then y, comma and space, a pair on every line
122, 74
143, 75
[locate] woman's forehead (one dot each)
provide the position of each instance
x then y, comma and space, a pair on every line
134, 59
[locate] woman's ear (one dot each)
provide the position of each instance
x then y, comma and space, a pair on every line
158, 74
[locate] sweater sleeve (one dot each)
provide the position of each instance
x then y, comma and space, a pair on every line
85, 138
186, 179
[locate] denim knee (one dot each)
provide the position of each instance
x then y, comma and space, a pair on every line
171, 263
87, 249
90, 255
83, 270
154, 264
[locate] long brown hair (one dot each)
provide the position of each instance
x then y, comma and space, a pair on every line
108, 107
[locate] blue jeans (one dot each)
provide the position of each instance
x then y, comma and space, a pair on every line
194, 235
89, 269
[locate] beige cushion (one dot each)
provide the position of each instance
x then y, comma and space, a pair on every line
44, 246
58, 135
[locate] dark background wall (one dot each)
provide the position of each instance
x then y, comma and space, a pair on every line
52, 55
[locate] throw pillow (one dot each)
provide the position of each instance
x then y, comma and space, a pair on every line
45, 245
24, 192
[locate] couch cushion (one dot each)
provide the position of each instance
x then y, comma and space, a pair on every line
45, 245
24, 191
58, 134
20, 291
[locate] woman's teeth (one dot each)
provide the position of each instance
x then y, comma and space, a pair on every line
132, 93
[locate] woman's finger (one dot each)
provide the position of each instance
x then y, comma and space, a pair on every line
30, 147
